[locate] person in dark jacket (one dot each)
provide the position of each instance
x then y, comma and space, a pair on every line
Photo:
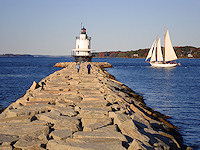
89, 67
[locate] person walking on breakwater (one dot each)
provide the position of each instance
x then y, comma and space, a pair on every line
89, 67
78, 67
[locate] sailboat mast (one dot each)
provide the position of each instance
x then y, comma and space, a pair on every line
156, 47
164, 45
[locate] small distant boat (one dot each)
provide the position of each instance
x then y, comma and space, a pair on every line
155, 53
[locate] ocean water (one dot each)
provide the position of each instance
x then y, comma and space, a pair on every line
172, 91
18, 74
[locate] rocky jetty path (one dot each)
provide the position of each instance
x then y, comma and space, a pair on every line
80, 111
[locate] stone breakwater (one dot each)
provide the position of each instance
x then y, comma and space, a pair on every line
77, 111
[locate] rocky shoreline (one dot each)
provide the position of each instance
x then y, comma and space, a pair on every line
70, 110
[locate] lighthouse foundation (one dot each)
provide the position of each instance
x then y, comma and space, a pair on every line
83, 58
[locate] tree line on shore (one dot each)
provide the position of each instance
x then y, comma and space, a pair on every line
182, 52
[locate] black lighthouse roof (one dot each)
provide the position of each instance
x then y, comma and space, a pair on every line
83, 30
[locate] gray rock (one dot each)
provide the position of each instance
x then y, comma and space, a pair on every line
91, 115
120, 118
61, 134
137, 145
129, 128
25, 119
6, 147
140, 121
62, 145
49, 116
30, 142
77, 108
60, 122
123, 94
96, 144
94, 110
93, 104
115, 107
8, 138
92, 98
26, 110
98, 124
108, 128
90, 85
110, 135
73, 99
90, 92
91, 121
34, 86
66, 111
21, 129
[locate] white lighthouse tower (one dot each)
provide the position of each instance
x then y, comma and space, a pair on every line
82, 51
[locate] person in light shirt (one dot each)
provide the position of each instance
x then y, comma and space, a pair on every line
78, 67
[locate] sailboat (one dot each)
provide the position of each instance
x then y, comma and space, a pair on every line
155, 53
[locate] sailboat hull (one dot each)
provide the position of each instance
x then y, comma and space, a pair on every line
161, 65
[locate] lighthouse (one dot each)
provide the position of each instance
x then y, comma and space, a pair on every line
83, 51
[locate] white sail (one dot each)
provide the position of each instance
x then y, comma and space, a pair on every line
153, 57
150, 51
159, 52
169, 51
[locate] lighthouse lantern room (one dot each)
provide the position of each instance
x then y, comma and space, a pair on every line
83, 51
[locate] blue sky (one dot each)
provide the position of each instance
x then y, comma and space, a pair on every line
50, 26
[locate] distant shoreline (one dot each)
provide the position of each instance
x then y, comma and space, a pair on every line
31, 56
51, 56
181, 52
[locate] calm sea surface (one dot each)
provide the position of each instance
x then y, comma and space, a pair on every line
172, 91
